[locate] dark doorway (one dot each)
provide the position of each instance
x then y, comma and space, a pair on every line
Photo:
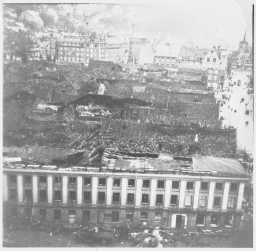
180, 221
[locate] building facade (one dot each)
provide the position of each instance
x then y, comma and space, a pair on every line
120, 193
79, 50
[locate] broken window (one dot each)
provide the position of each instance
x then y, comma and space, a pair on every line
102, 182
115, 216
204, 186
87, 196
101, 197
175, 185
57, 179
188, 200
233, 187
145, 198
160, 184
200, 219
28, 195
42, 179
231, 202
214, 219
116, 198
72, 212
219, 186
159, 199
143, 215
129, 216
131, 183
27, 179
190, 185
12, 179
217, 201
116, 183
146, 183
130, 198
174, 200
57, 214
87, 181
43, 195
203, 200
228, 220
12, 194
72, 180
86, 216
42, 213
72, 196
57, 195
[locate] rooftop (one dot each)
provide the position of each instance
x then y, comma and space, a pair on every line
159, 164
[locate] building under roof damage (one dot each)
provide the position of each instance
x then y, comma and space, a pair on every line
173, 192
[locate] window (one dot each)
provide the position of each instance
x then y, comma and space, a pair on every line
175, 185
208, 59
28, 211
200, 219
160, 184
27, 179
102, 182
86, 216
57, 179
71, 212
43, 195
57, 195
12, 179
233, 187
190, 185
101, 197
143, 215
214, 60
145, 198
116, 198
28, 195
214, 219
57, 214
204, 186
116, 183
42, 213
203, 200
146, 183
217, 201
129, 216
158, 215
42, 179
159, 199
228, 220
12, 194
72, 180
87, 181
115, 216
131, 183
219, 186
130, 198
188, 200
87, 196
231, 202
174, 199
72, 196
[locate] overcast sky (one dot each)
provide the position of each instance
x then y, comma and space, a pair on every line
201, 22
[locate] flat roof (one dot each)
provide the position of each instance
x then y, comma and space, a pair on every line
164, 163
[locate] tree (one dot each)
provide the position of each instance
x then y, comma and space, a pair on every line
18, 43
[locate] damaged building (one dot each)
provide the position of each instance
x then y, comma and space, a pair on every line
175, 192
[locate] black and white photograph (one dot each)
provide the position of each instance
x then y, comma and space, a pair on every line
128, 124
